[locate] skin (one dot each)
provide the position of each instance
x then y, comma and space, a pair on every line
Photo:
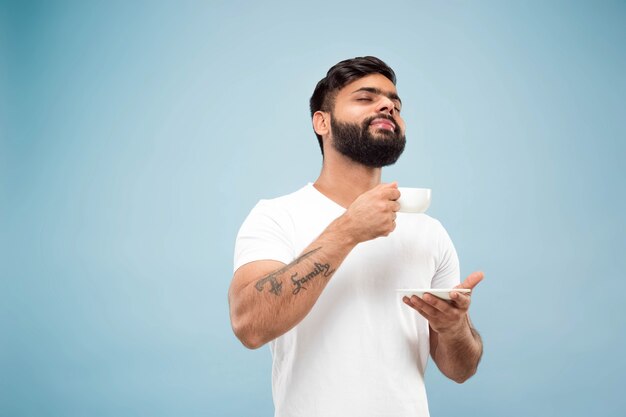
455, 346
268, 298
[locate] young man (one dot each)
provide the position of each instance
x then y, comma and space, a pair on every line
316, 270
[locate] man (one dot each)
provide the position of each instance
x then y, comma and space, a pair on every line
316, 270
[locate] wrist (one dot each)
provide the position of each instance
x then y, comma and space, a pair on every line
339, 231
458, 331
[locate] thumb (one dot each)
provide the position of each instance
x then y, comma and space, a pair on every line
472, 280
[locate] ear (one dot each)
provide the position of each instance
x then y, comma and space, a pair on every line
321, 123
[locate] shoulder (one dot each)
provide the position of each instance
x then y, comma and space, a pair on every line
279, 208
267, 233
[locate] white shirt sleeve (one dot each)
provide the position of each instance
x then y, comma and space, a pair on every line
265, 234
447, 273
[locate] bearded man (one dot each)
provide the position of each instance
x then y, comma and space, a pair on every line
316, 270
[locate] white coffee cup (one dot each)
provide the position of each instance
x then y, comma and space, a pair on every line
414, 200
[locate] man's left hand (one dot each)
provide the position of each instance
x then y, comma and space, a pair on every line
443, 316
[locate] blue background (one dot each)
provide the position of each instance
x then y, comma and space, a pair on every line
137, 136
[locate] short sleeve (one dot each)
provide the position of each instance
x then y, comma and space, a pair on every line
447, 273
265, 234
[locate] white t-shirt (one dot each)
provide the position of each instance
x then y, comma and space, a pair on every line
360, 351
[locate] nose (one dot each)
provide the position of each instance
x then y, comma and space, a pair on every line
386, 105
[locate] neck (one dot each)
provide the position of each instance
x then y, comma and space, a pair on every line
343, 180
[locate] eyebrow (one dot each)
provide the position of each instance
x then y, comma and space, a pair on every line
392, 96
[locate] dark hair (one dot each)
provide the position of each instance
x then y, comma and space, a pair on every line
340, 75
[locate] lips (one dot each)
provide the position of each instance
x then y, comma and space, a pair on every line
381, 123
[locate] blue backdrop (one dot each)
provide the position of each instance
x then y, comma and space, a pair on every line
137, 136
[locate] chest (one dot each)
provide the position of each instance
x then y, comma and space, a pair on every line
407, 258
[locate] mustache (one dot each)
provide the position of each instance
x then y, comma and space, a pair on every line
381, 116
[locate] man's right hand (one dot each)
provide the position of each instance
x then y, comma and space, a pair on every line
373, 213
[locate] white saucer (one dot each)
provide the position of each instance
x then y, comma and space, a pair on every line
443, 293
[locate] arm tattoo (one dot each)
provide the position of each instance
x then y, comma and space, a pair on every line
323, 269
276, 285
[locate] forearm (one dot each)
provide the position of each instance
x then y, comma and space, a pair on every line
272, 304
458, 353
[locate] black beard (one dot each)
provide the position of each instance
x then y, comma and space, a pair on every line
357, 143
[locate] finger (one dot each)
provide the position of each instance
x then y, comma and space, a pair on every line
472, 280
394, 206
427, 304
395, 195
391, 193
393, 227
437, 303
417, 307
461, 301
388, 185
